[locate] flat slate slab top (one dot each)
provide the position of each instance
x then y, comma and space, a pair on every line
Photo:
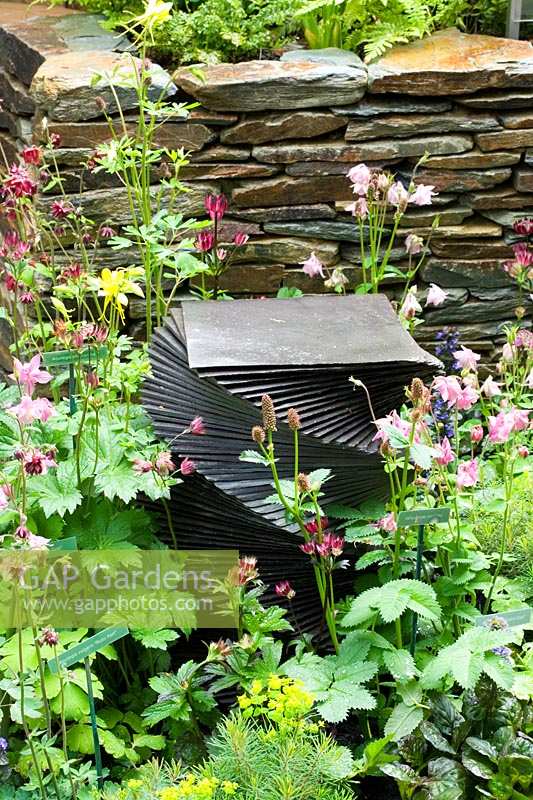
451, 62
314, 330
31, 34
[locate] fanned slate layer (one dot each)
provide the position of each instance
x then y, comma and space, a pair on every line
216, 360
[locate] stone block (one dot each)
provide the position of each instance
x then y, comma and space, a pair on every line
498, 99
227, 171
507, 218
520, 119
275, 127
287, 191
473, 159
265, 85
503, 197
416, 124
450, 62
286, 250
505, 140
379, 150
523, 180
473, 312
374, 106
487, 273
462, 180
248, 279
290, 213
14, 94
470, 250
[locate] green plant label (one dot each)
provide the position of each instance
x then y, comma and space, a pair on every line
522, 616
423, 516
65, 544
89, 646
62, 358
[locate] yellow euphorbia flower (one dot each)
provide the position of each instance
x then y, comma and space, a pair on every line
114, 286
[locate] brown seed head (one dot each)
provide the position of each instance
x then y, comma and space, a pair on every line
258, 434
293, 418
304, 484
417, 390
269, 413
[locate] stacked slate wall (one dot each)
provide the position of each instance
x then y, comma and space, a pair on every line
279, 136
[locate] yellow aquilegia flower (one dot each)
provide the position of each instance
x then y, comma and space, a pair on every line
114, 286
155, 13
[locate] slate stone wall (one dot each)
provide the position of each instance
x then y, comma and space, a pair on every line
279, 136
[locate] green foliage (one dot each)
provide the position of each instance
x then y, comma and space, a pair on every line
480, 745
308, 764
226, 30
375, 26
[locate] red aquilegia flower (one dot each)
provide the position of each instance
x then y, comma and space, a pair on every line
32, 155
19, 183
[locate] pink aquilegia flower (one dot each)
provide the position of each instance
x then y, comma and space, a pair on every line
33, 541
467, 359
413, 244
30, 373
436, 295
422, 196
28, 410
391, 420
476, 434
4, 496
467, 398
359, 209
284, 589
445, 452
387, 523
448, 387
187, 466
19, 183
398, 195
410, 307
197, 427
506, 422
360, 178
467, 474
490, 388
313, 266
36, 462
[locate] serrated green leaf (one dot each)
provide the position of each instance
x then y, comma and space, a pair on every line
254, 457
403, 721
400, 663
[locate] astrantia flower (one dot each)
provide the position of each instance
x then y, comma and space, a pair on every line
436, 295
467, 474
413, 244
216, 205
308, 548
313, 528
240, 239
331, 545
312, 266
524, 227
445, 452
30, 373
204, 241
284, 589
360, 178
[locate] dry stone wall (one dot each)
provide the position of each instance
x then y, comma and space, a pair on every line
279, 136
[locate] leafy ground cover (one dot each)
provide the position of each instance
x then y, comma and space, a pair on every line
419, 682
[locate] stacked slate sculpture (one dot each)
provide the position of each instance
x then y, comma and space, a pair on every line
216, 360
